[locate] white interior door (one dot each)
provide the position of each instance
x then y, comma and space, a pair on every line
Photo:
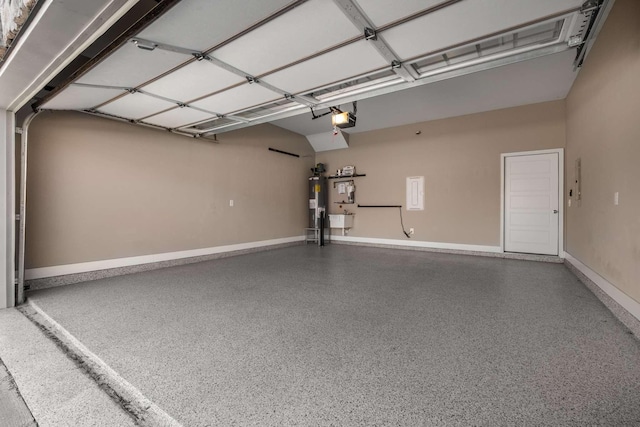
531, 219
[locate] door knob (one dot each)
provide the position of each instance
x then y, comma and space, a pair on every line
555, 211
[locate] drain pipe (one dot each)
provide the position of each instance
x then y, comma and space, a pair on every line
24, 142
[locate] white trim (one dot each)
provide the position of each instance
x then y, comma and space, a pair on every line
417, 244
534, 152
560, 152
83, 267
628, 303
7, 206
10, 150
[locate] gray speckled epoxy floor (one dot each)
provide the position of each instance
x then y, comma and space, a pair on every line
345, 335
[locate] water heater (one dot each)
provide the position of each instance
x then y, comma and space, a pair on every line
317, 205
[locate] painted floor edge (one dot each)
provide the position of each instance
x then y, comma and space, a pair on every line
143, 411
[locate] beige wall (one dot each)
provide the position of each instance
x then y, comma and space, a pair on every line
603, 129
460, 160
100, 189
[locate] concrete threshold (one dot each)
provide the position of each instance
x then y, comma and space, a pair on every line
142, 411
55, 391
13, 409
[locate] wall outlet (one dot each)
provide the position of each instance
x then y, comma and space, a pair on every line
230, 202
411, 231
616, 198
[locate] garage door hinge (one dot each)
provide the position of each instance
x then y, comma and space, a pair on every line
19, 130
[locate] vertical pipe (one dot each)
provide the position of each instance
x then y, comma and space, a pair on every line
321, 237
23, 205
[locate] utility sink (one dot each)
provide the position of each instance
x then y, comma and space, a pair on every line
341, 220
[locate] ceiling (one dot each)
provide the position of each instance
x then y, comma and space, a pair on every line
208, 67
537, 80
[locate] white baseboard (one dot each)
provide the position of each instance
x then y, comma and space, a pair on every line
83, 267
418, 244
628, 303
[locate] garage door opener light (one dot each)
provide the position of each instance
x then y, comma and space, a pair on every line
343, 120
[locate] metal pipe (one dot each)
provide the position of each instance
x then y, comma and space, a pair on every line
321, 237
134, 122
24, 143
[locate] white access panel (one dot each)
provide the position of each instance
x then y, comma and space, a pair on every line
415, 193
531, 219
325, 141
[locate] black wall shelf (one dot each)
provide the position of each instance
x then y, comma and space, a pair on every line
347, 177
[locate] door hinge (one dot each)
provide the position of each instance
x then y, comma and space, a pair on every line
17, 217
19, 130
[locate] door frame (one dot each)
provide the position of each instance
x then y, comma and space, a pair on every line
560, 152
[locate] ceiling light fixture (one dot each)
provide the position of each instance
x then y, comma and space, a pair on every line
343, 120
